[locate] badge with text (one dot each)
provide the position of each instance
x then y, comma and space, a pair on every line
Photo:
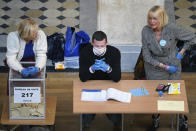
163, 42
27, 95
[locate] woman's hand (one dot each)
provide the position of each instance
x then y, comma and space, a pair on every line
180, 54
171, 69
29, 71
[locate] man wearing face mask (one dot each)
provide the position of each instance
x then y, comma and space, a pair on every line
99, 61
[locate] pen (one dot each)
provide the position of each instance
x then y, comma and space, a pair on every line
91, 90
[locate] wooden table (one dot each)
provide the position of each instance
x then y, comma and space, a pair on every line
50, 115
141, 104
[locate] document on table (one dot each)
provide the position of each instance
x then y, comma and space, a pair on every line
93, 95
118, 95
164, 105
104, 95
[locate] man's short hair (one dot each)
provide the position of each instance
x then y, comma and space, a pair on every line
99, 36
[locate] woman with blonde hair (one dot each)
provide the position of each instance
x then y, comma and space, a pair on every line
162, 60
28, 43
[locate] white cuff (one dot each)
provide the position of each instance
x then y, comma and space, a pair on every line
91, 71
109, 70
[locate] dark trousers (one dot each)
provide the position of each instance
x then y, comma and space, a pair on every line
115, 118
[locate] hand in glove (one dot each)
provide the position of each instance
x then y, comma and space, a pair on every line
104, 67
33, 70
30, 71
171, 69
95, 67
99, 61
25, 73
179, 56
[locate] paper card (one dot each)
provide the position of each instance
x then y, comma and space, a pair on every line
27, 95
164, 105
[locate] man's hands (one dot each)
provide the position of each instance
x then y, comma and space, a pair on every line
100, 65
95, 67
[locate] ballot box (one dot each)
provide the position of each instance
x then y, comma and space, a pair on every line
27, 95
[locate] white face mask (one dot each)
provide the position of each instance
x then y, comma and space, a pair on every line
99, 51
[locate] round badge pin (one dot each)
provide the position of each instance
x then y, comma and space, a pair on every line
162, 42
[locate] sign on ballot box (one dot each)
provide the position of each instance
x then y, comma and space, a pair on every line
27, 95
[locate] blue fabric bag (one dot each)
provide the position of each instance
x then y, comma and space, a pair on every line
73, 41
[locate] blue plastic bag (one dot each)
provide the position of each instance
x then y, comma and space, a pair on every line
73, 41
69, 33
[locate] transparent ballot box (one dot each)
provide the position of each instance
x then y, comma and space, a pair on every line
27, 95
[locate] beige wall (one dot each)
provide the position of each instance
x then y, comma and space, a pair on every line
123, 20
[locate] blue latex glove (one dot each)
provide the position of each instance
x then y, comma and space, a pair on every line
104, 67
95, 67
172, 69
179, 56
25, 73
30, 71
99, 61
33, 70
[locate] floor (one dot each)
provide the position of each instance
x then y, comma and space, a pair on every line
185, 14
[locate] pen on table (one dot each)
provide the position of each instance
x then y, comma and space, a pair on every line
91, 90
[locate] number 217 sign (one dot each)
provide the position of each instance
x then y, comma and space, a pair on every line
27, 95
